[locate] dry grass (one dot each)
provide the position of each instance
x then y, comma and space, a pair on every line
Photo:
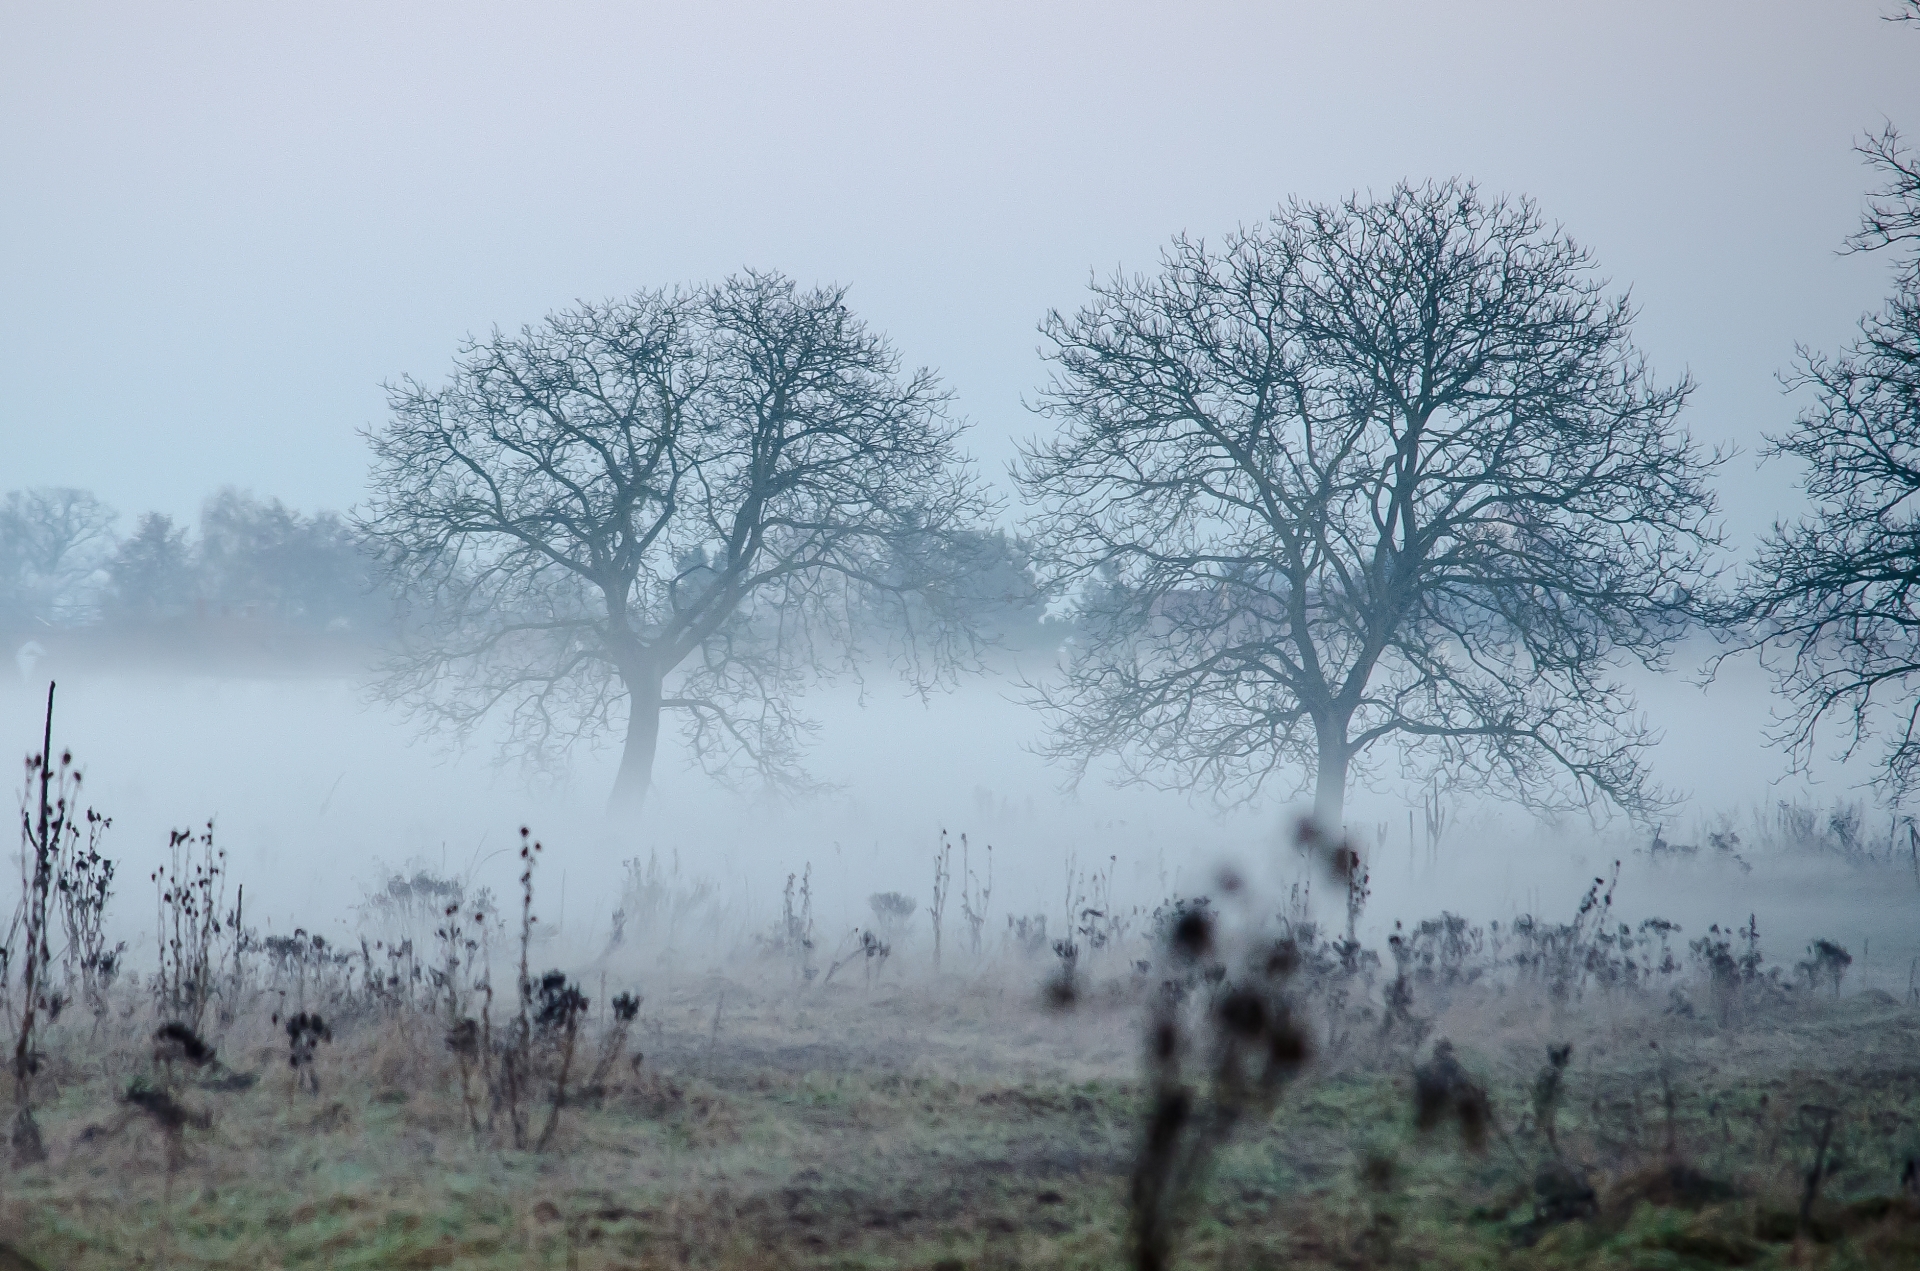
959, 1122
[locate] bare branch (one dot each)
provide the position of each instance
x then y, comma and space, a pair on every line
1892, 214
662, 502
1386, 469
1832, 602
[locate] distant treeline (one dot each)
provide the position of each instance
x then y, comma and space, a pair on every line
254, 569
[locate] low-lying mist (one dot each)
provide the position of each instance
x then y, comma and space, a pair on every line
320, 795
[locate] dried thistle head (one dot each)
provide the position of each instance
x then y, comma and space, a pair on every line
167, 1112
559, 1003
1192, 934
1344, 862
305, 1031
1287, 1044
1442, 1091
1163, 1041
463, 1039
1242, 1013
1282, 959
175, 1042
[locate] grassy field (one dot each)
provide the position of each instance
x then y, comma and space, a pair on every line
959, 1122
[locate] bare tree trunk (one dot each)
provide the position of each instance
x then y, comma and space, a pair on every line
643, 735
1330, 782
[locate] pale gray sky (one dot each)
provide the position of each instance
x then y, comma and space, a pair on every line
225, 224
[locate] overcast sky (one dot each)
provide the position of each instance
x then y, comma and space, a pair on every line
222, 226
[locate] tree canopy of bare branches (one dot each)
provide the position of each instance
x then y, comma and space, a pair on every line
53, 542
671, 502
1832, 601
1386, 469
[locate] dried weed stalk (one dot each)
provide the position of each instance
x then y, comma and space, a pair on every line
626, 1009
793, 938
514, 1062
942, 884
1252, 1046
190, 891
975, 895
305, 1032
556, 1024
42, 825
84, 884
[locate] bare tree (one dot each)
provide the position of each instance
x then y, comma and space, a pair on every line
1832, 601
53, 542
678, 501
260, 557
1384, 469
1892, 214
